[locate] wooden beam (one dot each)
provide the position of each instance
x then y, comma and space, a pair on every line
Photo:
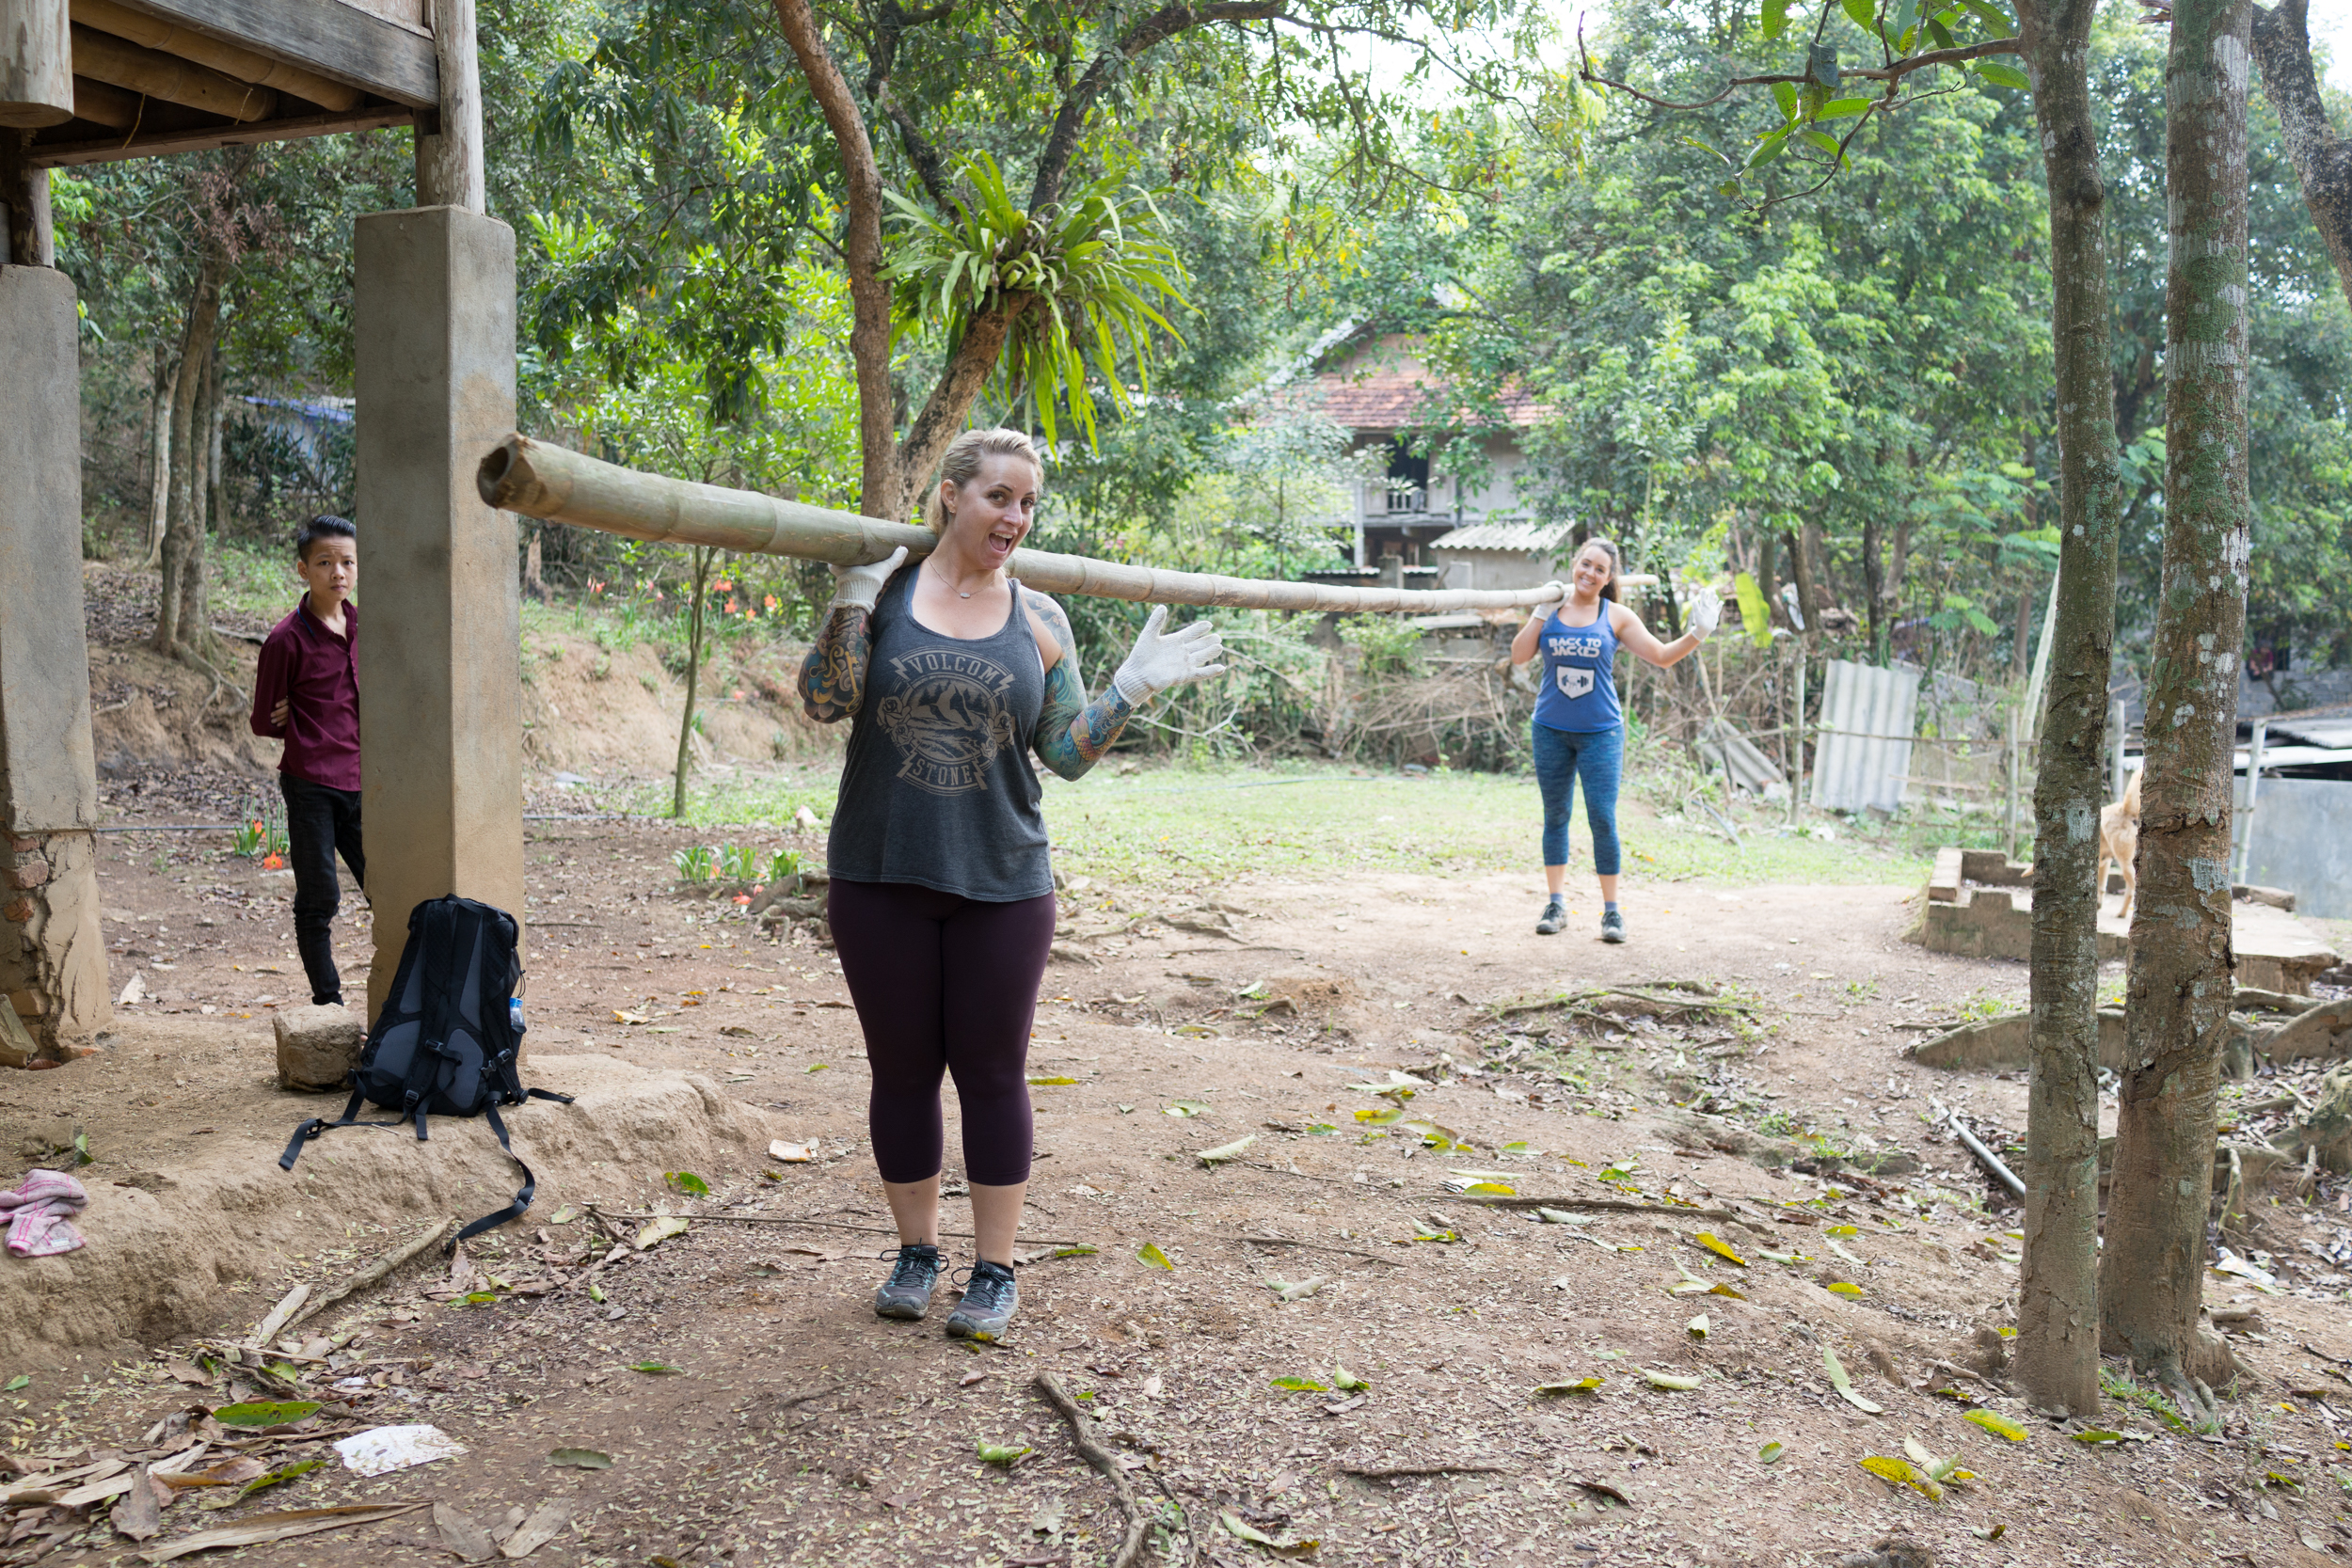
119, 62
103, 105
202, 137
36, 66
449, 155
337, 40
27, 239
153, 32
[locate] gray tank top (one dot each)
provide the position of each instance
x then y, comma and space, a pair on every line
938, 790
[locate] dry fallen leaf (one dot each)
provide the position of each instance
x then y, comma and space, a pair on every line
276, 1526
543, 1524
462, 1534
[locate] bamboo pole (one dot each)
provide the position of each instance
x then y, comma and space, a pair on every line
560, 486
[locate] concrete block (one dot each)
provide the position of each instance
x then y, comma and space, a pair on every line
53, 961
318, 1047
48, 772
441, 681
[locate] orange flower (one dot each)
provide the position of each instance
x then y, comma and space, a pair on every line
774, 604
270, 863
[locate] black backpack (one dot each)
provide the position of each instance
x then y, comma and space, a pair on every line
444, 1044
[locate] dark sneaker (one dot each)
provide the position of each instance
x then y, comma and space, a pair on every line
990, 1300
907, 1294
1611, 926
1555, 915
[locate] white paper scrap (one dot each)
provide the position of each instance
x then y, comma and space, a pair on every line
382, 1448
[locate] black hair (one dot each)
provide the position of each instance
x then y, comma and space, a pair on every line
325, 526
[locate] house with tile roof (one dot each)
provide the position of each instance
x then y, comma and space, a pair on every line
1376, 387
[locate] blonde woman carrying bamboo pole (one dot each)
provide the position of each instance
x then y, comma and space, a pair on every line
942, 892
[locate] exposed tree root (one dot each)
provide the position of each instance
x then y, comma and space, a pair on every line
1139, 1522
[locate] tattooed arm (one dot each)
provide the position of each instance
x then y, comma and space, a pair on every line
1072, 733
833, 676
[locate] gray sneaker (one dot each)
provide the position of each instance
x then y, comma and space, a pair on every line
907, 1294
1611, 926
1555, 915
990, 1300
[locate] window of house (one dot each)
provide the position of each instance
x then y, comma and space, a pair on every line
1409, 480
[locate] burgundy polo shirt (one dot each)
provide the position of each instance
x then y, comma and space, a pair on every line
319, 673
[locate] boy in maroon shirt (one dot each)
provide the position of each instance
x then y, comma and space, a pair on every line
306, 692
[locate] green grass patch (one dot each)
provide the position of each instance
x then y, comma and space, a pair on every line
1184, 823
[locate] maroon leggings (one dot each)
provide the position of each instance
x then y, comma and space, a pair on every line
944, 983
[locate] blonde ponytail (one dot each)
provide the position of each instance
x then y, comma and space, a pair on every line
962, 461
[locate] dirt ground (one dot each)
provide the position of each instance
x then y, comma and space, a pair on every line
789, 1425
1320, 1338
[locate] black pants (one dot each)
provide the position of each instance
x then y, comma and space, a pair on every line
318, 822
944, 985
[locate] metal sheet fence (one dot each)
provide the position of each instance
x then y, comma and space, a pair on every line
1862, 750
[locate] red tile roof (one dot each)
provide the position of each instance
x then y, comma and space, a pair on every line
1382, 385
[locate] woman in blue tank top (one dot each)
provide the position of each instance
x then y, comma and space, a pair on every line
1579, 730
942, 892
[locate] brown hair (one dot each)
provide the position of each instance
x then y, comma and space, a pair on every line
961, 463
1616, 564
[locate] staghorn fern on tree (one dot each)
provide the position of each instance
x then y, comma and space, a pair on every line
1087, 276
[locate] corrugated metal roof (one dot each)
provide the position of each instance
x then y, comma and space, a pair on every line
1515, 534
1862, 747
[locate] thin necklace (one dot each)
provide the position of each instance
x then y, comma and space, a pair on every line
951, 587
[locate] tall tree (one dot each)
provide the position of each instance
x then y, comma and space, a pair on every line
2182, 971
2057, 1318
2323, 158
1823, 110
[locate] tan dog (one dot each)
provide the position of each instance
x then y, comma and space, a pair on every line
2119, 841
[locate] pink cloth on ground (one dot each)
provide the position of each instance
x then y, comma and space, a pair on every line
37, 1209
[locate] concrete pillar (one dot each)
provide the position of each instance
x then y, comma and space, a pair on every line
441, 678
53, 955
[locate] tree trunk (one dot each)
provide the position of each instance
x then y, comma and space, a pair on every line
2321, 159
535, 579
1873, 592
1768, 569
957, 389
196, 347
215, 469
159, 482
879, 491
195, 617
703, 557
1801, 566
2182, 968
2057, 1313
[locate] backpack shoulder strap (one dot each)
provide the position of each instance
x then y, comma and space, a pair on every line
444, 980
522, 1196
317, 1126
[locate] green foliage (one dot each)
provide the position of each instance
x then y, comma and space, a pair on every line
1384, 644
1086, 278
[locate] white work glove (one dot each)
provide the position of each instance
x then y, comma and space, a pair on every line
1706, 610
862, 586
1155, 662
